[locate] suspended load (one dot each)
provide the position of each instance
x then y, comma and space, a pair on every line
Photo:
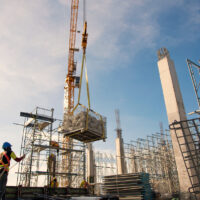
83, 123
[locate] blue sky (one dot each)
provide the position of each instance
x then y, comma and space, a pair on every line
124, 37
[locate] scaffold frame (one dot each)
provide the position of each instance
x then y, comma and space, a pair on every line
44, 148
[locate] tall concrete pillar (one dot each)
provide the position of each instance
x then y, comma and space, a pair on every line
175, 111
121, 166
90, 163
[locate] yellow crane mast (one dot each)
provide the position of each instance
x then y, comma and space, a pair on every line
70, 84
71, 78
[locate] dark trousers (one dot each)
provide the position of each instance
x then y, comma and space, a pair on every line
3, 182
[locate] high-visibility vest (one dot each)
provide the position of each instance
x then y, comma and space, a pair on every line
6, 166
84, 184
54, 183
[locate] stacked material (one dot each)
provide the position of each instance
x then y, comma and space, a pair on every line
75, 122
128, 186
90, 125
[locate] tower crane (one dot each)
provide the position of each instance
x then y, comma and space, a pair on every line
71, 82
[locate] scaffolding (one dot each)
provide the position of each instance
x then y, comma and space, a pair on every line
194, 70
154, 155
44, 148
105, 164
188, 137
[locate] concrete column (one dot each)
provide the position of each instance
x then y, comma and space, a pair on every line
175, 111
90, 163
121, 166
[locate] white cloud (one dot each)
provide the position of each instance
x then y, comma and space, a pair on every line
118, 30
33, 45
192, 25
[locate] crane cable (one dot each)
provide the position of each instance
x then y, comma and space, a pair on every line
84, 11
84, 46
87, 84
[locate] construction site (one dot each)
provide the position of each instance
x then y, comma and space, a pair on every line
61, 163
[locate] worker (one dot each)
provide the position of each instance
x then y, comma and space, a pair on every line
5, 158
55, 144
54, 182
84, 184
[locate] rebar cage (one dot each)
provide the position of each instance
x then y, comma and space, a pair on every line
188, 137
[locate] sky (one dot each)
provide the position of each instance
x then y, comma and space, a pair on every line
123, 39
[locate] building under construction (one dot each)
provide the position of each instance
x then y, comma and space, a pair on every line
45, 152
60, 162
54, 168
